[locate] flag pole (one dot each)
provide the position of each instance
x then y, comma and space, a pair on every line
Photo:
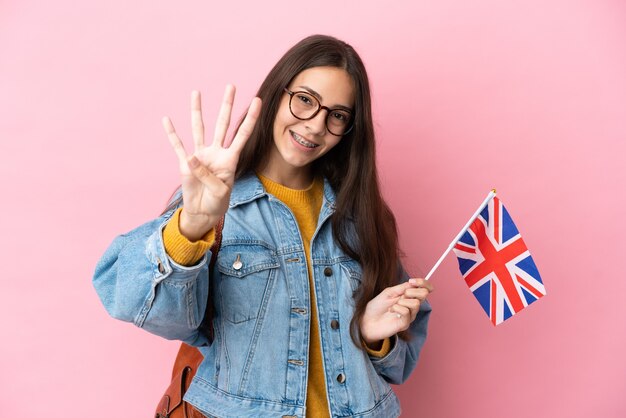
491, 194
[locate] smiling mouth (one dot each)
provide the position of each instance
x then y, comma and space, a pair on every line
303, 141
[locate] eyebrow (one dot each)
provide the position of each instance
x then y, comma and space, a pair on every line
319, 97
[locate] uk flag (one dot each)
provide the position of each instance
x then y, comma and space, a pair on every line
496, 264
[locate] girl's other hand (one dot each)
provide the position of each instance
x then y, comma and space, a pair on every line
208, 175
393, 310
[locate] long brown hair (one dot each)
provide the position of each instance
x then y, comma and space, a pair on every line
350, 167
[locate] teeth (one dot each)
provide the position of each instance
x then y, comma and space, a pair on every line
303, 141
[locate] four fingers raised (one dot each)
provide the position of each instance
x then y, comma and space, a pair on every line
221, 127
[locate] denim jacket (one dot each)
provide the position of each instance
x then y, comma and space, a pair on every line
256, 364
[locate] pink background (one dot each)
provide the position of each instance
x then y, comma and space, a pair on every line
528, 97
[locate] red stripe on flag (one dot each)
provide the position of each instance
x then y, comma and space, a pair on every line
506, 280
527, 285
465, 248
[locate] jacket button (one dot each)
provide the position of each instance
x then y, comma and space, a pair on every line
334, 324
160, 266
328, 272
341, 378
237, 264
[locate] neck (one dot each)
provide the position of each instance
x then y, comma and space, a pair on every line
298, 178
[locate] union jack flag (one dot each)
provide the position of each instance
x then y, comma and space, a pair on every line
496, 264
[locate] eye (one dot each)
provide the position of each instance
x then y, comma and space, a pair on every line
305, 99
339, 116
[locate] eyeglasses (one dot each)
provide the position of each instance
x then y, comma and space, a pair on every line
305, 106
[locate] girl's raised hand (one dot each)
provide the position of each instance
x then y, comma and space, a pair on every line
393, 310
208, 175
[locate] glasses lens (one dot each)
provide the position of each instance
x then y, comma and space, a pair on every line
303, 105
338, 121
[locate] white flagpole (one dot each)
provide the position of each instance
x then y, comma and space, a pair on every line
491, 194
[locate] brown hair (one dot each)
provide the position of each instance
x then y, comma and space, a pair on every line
350, 167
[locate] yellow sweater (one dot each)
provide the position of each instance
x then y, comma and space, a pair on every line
305, 205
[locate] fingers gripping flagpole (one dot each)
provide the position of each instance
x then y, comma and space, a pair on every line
490, 196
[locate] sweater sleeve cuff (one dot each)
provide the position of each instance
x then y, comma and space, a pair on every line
179, 248
382, 351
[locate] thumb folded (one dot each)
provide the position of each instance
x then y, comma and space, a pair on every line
203, 174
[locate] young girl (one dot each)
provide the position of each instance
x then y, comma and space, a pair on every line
312, 313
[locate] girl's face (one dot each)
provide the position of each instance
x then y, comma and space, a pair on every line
297, 143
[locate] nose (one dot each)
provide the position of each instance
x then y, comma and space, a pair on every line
317, 124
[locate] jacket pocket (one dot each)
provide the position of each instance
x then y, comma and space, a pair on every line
247, 271
353, 272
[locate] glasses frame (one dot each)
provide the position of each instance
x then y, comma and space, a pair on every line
319, 107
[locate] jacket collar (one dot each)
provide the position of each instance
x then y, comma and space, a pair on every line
249, 188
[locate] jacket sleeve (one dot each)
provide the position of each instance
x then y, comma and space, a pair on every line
138, 282
397, 365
